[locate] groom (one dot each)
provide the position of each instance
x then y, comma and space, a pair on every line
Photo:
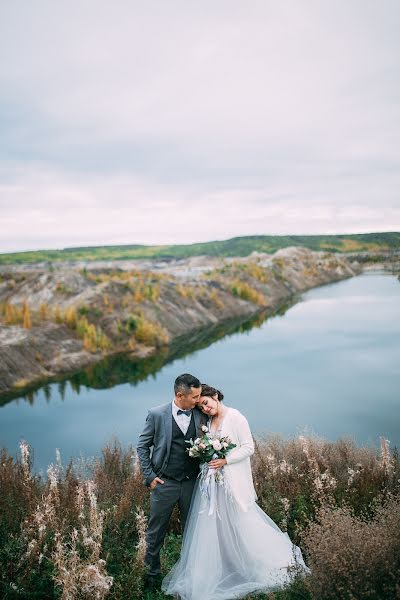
168, 470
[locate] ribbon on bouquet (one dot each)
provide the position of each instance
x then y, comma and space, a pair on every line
209, 486
209, 479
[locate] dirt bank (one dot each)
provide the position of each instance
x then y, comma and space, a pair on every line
53, 322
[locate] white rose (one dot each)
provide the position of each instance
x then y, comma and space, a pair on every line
217, 445
225, 444
192, 452
197, 441
204, 428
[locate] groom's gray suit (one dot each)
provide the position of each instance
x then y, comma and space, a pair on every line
162, 453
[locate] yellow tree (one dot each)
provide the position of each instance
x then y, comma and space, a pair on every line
58, 316
26, 314
10, 314
70, 317
43, 311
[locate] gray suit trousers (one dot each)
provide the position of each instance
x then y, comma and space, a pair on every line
163, 499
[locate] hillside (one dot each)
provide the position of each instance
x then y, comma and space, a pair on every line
57, 321
239, 246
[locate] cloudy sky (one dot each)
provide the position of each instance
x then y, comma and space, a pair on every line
181, 121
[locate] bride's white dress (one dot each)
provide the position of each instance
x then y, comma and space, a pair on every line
238, 549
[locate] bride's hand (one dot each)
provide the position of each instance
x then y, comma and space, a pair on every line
217, 463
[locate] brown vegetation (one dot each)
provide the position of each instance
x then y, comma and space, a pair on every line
247, 292
150, 333
81, 532
354, 557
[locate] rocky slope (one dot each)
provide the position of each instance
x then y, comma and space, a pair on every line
55, 321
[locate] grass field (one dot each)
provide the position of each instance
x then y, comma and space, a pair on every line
239, 246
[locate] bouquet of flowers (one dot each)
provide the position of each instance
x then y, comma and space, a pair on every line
209, 446
206, 448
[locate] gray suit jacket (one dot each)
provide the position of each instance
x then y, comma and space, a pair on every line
154, 443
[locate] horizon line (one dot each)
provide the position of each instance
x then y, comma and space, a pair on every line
261, 235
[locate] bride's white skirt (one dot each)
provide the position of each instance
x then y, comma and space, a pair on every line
230, 553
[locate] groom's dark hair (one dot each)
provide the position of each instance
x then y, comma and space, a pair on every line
185, 382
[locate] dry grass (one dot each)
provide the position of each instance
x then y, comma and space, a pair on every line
142, 286
244, 280
81, 532
352, 556
150, 333
216, 299
254, 270
247, 292
310, 472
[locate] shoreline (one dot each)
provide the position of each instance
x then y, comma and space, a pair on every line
199, 296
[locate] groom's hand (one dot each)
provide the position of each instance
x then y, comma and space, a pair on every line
155, 482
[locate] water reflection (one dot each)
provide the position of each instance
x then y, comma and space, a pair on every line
125, 368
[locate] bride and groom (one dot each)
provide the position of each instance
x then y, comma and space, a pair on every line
230, 547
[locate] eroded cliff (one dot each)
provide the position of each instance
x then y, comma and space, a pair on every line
55, 321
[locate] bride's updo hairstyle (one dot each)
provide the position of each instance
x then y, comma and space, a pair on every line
208, 390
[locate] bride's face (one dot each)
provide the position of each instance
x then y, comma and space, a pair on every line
208, 405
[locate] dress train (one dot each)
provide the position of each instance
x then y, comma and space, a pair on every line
231, 552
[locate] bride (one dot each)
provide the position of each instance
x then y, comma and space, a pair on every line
230, 547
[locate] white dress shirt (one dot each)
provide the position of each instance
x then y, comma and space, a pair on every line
183, 421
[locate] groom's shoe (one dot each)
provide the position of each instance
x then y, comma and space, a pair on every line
152, 582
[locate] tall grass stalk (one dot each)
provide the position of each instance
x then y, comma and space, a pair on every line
80, 532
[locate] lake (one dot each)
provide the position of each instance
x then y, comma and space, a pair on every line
329, 365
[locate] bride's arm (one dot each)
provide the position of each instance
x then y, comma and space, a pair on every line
245, 447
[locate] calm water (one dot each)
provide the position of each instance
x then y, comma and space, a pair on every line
329, 365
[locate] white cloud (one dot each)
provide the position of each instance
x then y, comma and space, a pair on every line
51, 208
269, 117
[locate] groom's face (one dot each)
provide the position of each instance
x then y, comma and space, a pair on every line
188, 401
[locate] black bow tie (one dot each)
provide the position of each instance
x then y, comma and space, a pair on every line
184, 412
